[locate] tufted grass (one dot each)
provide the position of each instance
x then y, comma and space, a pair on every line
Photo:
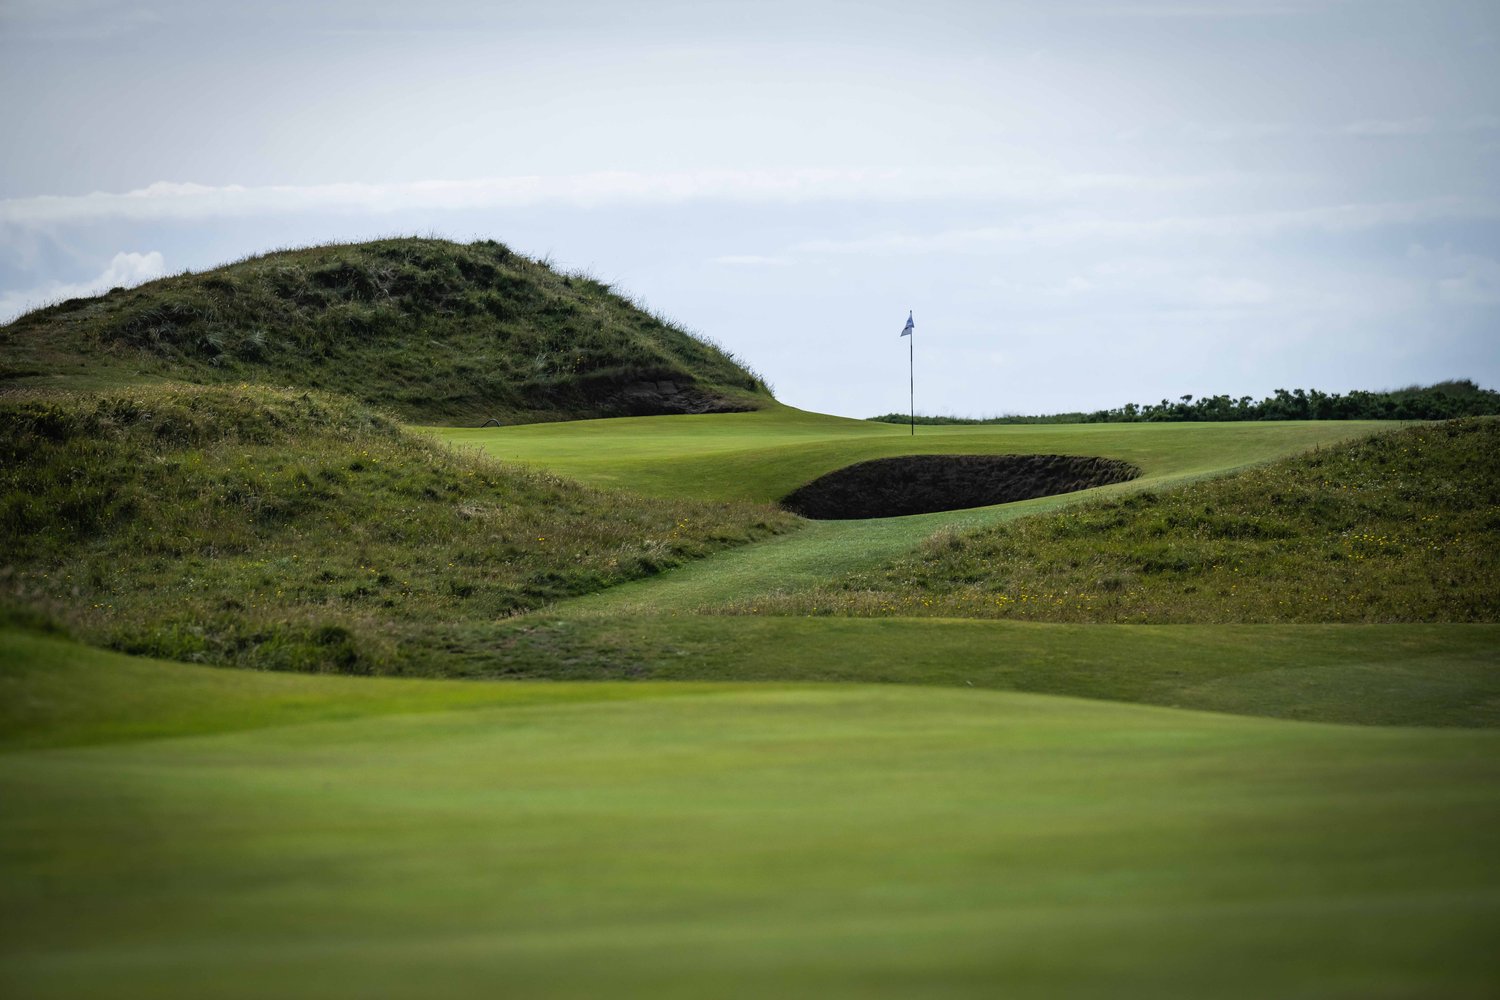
1399, 527
280, 530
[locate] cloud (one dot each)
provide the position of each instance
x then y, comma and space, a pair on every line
1476, 284
1207, 9
169, 201
72, 20
751, 260
1069, 229
124, 270
1379, 128
1382, 128
1369, 128
1457, 278
1220, 291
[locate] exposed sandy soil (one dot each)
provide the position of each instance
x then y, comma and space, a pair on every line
920, 484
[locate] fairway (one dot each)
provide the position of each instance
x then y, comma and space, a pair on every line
776, 840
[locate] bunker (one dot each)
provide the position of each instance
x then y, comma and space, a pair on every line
922, 484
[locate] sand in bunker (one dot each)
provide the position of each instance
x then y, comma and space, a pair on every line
921, 484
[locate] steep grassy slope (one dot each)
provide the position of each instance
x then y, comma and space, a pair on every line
285, 530
1398, 527
303, 836
436, 331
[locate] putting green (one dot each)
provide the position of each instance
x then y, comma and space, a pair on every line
766, 454
781, 840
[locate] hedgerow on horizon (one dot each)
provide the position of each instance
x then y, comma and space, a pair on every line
1440, 401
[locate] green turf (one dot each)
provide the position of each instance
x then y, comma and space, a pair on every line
766, 454
1415, 675
972, 827
1399, 527
780, 841
57, 692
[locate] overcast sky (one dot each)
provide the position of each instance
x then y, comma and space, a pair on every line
1085, 202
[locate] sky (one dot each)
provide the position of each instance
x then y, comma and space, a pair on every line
1083, 203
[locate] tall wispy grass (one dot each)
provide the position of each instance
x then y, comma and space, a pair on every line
435, 331
301, 531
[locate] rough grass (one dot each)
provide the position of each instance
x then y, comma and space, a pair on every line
432, 330
273, 529
1401, 527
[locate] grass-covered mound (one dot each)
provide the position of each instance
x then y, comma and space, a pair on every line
436, 331
1401, 527
285, 530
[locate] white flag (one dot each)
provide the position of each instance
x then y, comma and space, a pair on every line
908, 328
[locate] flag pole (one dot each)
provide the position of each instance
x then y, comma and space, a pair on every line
912, 372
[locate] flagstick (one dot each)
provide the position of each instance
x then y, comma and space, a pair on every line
912, 362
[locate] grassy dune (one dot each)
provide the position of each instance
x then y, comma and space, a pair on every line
1410, 675
762, 456
396, 838
282, 530
432, 330
1398, 527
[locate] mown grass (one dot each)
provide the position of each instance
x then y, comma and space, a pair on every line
293, 531
298, 837
1400, 527
432, 330
765, 455
57, 692
1407, 675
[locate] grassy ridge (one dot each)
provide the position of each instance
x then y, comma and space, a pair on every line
432, 330
56, 692
766, 454
1384, 675
782, 841
273, 529
1399, 527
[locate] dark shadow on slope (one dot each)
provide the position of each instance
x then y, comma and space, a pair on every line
922, 484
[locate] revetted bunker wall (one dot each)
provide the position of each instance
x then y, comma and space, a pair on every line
921, 484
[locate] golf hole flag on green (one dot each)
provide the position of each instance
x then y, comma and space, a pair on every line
906, 331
